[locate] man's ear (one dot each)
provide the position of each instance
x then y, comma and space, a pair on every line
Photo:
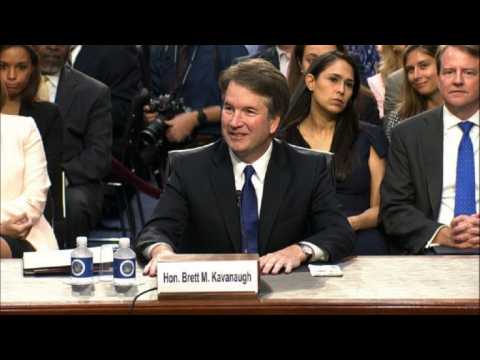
274, 124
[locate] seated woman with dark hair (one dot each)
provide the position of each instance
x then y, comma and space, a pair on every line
365, 104
24, 185
420, 88
19, 70
322, 117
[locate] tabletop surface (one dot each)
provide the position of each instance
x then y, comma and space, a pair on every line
366, 278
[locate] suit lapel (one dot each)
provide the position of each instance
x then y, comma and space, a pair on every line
223, 185
432, 142
66, 87
276, 183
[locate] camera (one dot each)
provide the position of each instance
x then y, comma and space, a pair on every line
167, 107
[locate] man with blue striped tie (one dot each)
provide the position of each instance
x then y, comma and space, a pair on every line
430, 193
249, 192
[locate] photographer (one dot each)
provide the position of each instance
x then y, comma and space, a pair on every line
191, 72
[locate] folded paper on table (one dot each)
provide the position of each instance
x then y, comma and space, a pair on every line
325, 270
57, 262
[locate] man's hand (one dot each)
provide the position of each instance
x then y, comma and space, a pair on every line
466, 230
289, 258
148, 115
181, 126
17, 227
158, 251
463, 233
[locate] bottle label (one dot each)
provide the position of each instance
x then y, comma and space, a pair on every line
82, 267
124, 268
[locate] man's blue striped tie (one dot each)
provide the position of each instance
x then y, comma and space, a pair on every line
465, 182
249, 213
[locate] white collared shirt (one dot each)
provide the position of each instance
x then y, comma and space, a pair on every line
53, 85
452, 135
258, 178
74, 53
283, 60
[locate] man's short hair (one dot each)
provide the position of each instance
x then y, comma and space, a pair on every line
472, 50
262, 78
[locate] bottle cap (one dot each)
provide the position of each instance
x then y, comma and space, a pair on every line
124, 242
82, 241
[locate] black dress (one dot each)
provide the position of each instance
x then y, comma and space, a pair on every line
353, 193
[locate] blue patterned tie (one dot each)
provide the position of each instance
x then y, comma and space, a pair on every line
249, 213
465, 182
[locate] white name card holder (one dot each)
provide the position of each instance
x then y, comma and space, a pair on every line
208, 276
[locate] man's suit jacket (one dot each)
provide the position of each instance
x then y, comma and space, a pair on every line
412, 187
270, 54
198, 211
49, 123
393, 89
116, 66
85, 107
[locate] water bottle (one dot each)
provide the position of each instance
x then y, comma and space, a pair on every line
124, 264
82, 269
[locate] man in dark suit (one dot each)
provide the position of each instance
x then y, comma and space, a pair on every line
84, 104
287, 208
278, 55
117, 67
430, 190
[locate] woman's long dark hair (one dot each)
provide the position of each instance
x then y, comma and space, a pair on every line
28, 94
347, 125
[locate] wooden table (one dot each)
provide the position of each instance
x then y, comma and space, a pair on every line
370, 285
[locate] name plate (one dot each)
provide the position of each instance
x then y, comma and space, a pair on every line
210, 274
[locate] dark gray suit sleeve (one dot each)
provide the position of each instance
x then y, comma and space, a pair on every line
402, 221
330, 227
169, 218
94, 162
53, 143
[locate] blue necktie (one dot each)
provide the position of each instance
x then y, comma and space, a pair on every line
465, 182
249, 213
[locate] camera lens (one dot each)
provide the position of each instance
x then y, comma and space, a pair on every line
153, 134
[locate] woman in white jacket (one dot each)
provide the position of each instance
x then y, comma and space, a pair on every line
24, 186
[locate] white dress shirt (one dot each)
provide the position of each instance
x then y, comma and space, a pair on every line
258, 178
283, 60
252, 49
52, 86
452, 135
74, 53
